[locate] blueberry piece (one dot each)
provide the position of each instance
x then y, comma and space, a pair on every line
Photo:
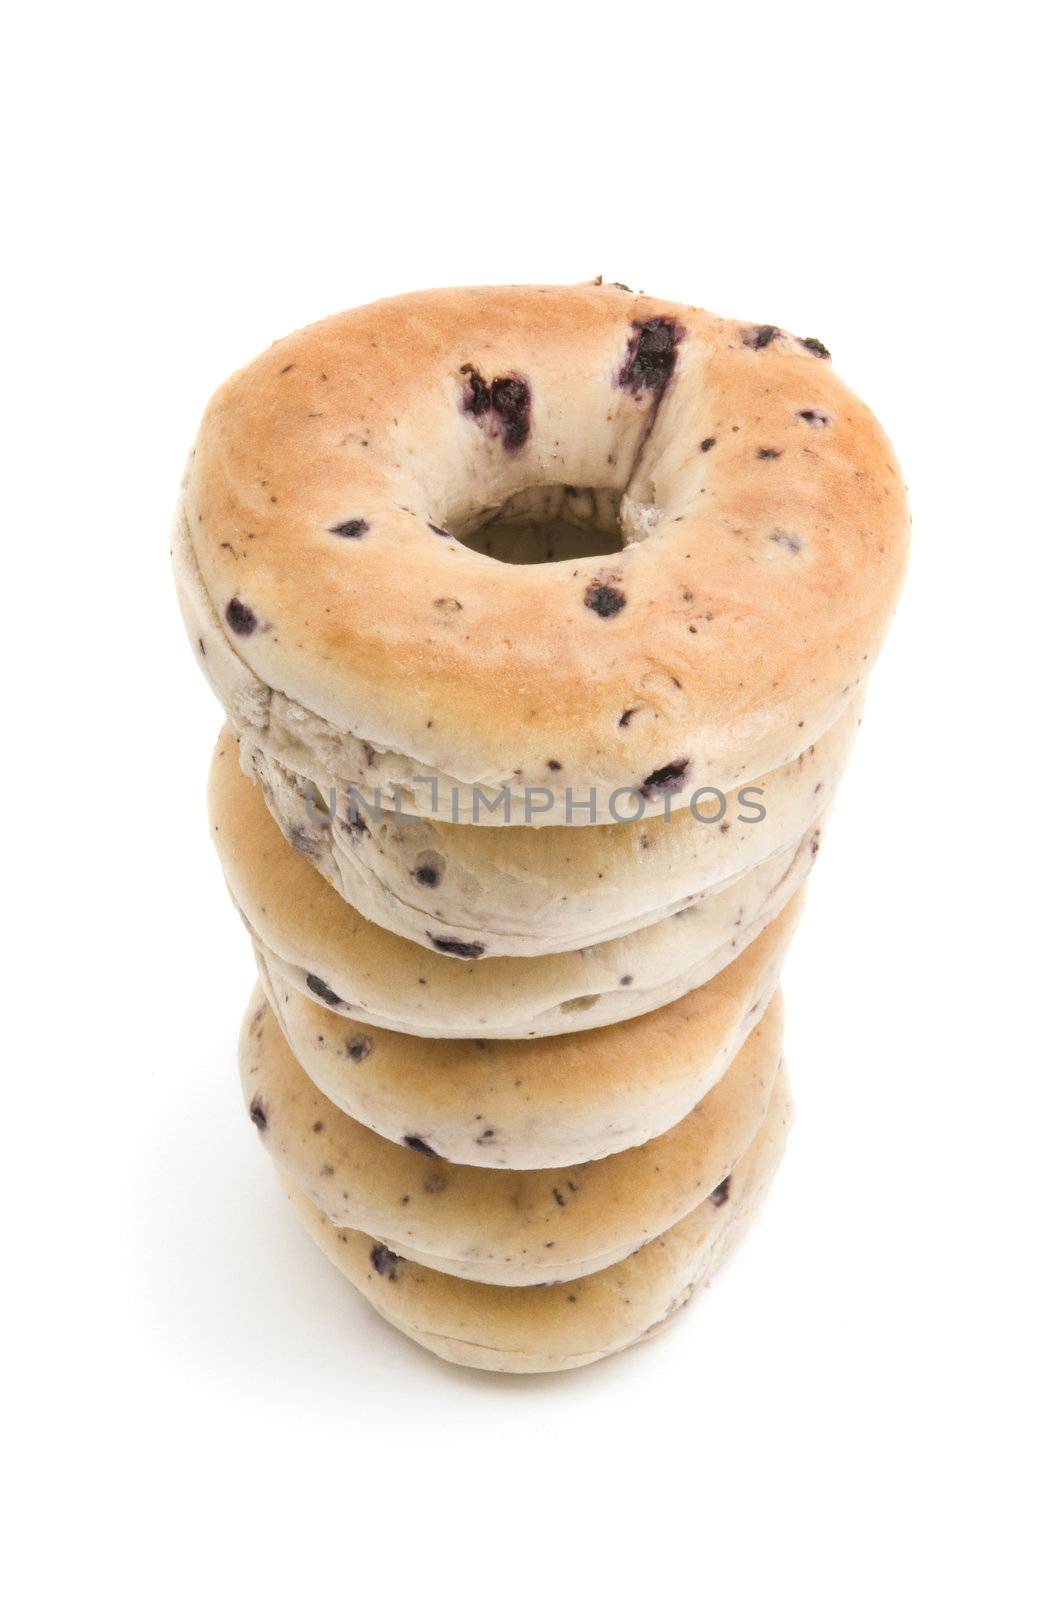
815, 417
511, 401
467, 951
240, 618
625, 717
790, 540
651, 355
758, 338
257, 1112
413, 1141
721, 1192
442, 532
666, 780
477, 393
319, 987
766, 453
350, 530
707, 444
358, 1047
817, 347
603, 599
385, 1261
429, 876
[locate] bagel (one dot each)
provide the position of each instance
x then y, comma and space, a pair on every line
314, 941
482, 1223
555, 1326
538, 891
522, 1103
742, 533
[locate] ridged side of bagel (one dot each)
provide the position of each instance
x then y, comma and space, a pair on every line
540, 891
557, 1326
492, 1225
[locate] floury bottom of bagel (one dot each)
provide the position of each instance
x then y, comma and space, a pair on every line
540, 891
557, 1326
315, 941
525, 1103
495, 1226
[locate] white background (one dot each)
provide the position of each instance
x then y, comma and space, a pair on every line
866, 1403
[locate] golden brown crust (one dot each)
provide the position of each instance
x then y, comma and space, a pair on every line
502, 1328
522, 1103
750, 609
501, 1226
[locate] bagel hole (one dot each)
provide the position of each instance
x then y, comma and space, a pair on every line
557, 522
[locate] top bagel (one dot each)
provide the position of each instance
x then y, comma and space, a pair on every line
736, 536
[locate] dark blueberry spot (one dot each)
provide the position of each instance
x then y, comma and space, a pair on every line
666, 780
477, 393
707, 444
814, 846
626, 980
621, 286
386, 1262
429, 876
319, 987
651, 356
766, 453
720, 1193
257, 1112
625, 717
817, 347
355, 821
790, 540
442, 532
240, 618
603, 599
202, 647
413, 1141
319, 1127
304, 842
511, 400
358, 1046
288, 368
350, 530
559, 1197
555, 766
758, 338
485, 1137
467, 951
815, 417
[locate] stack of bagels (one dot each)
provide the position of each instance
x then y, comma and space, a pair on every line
541, 619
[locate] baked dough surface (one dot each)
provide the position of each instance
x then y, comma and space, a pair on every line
354, 637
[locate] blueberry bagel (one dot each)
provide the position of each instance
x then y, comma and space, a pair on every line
557, 1325
314, 941
491, 1225
729, 519
521, 1103
535, 891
